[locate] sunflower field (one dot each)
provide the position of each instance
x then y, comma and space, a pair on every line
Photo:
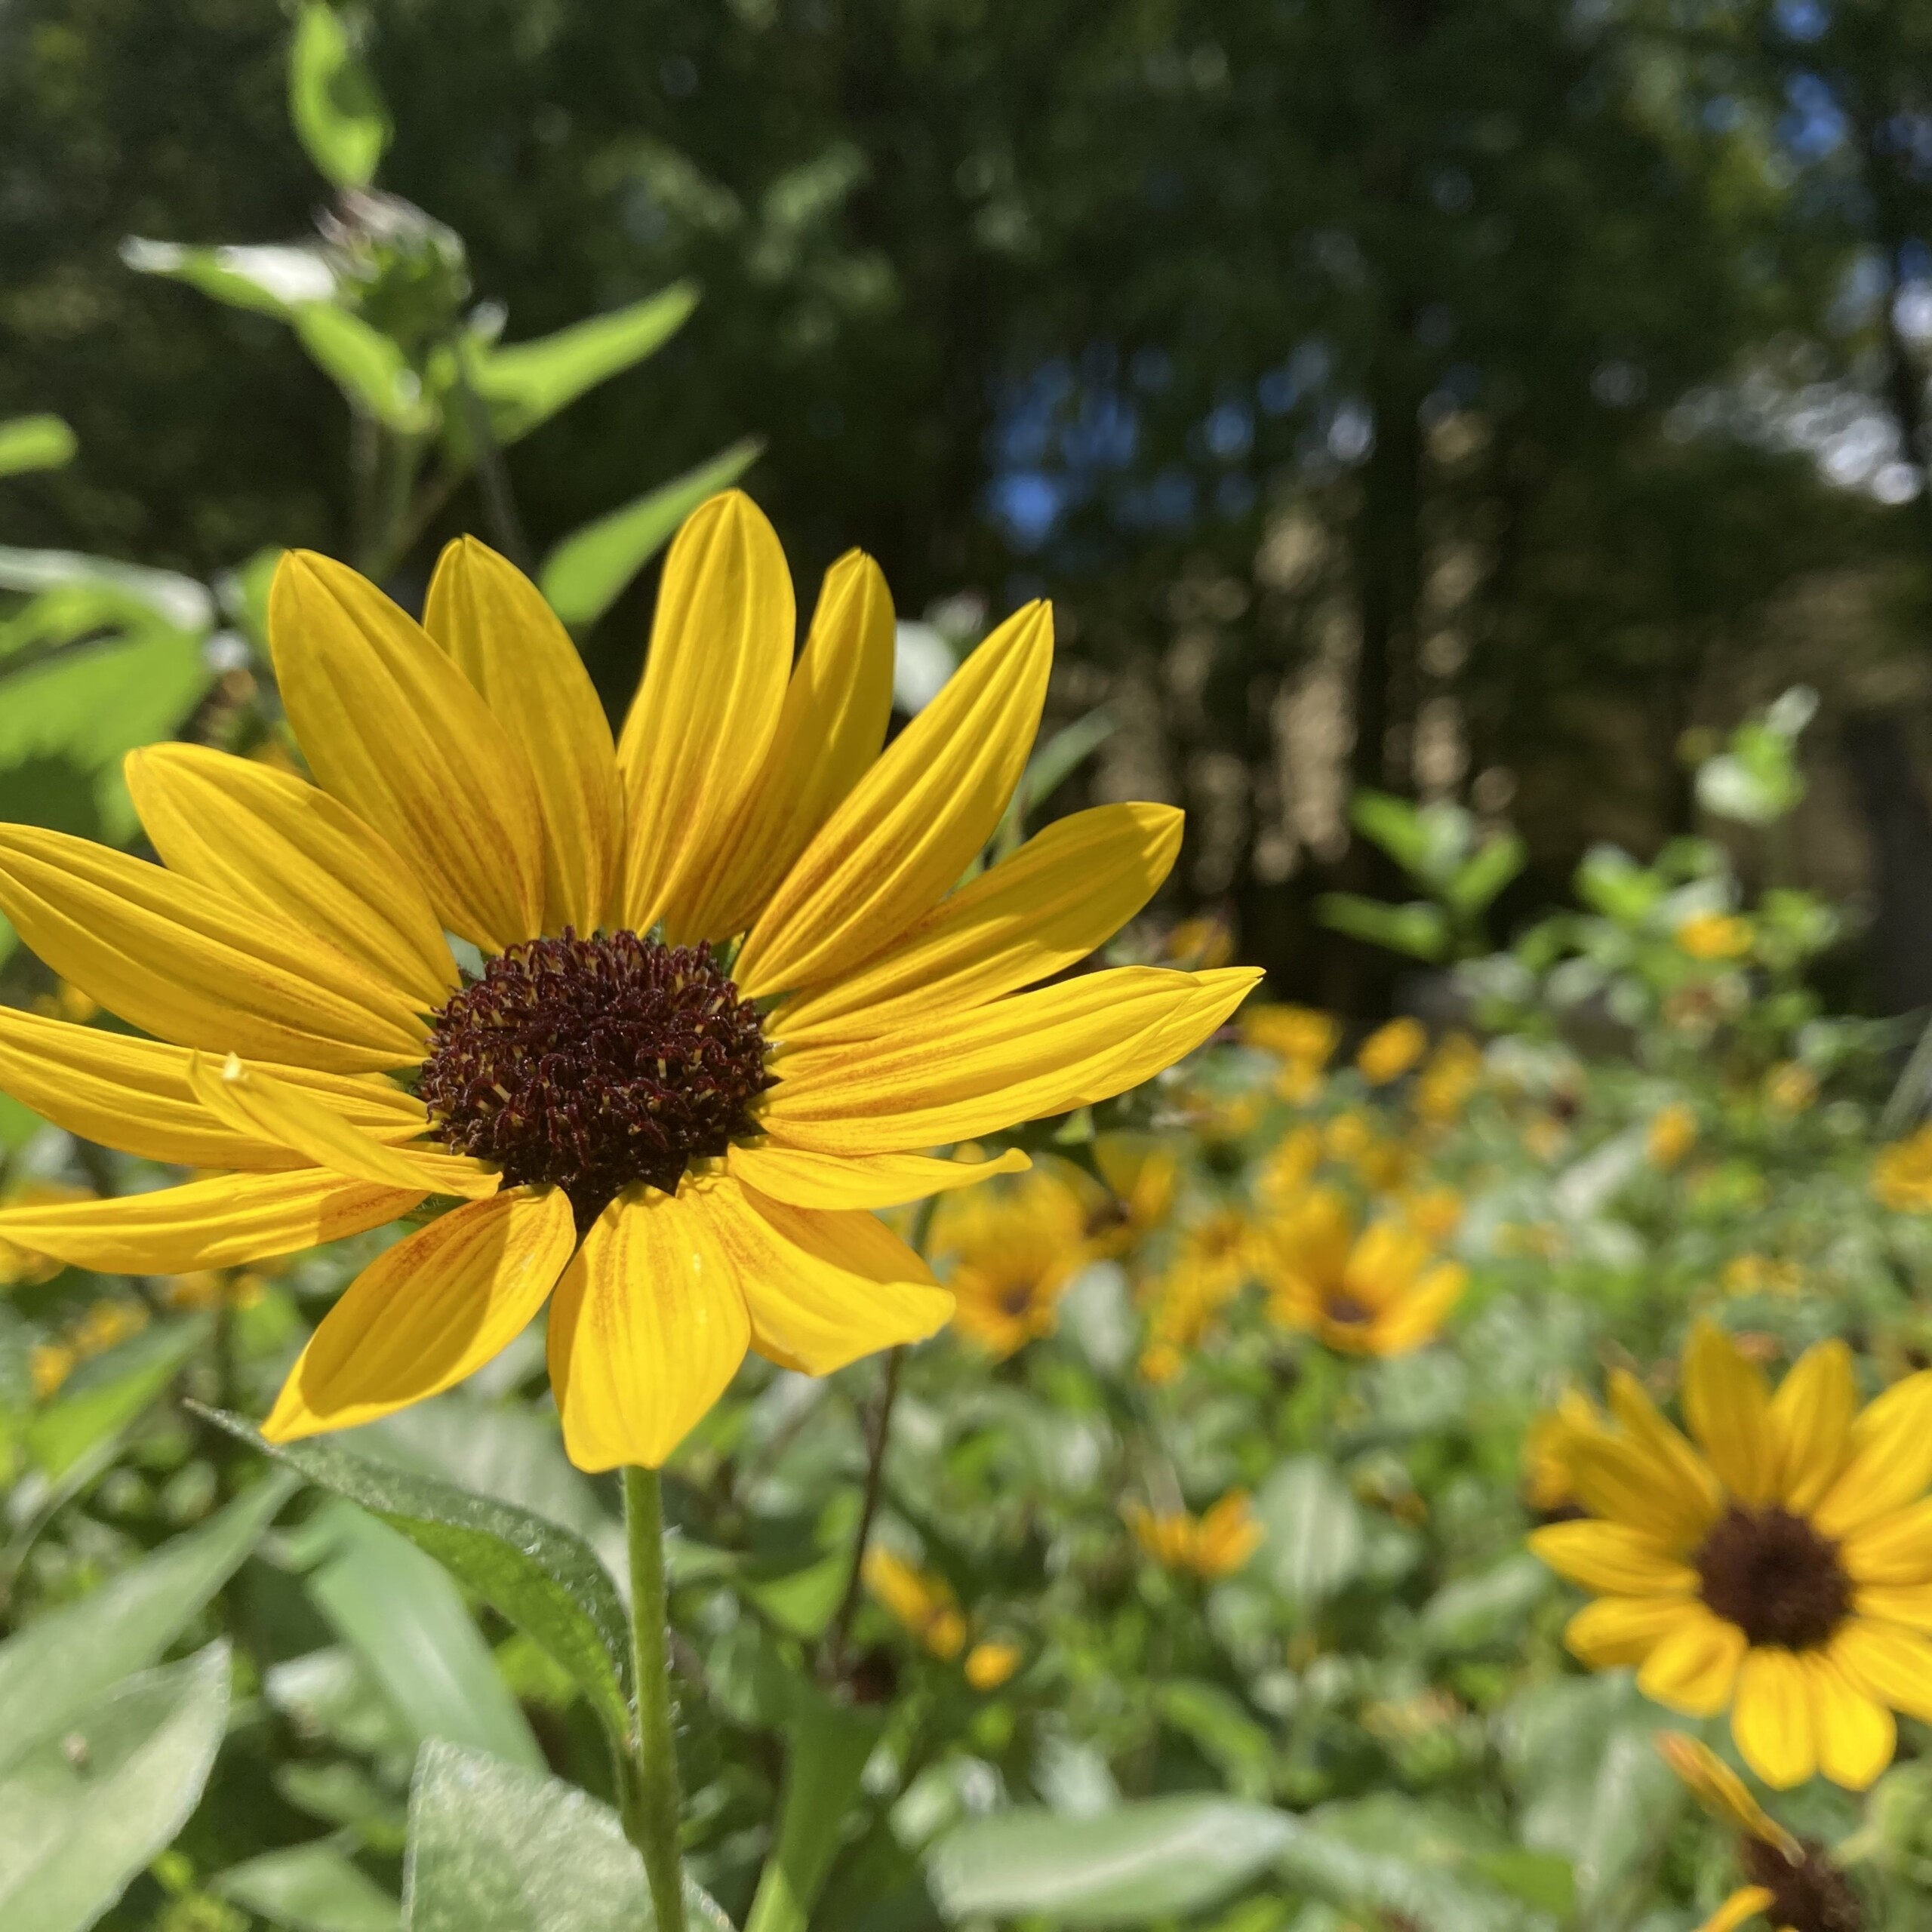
713, 1311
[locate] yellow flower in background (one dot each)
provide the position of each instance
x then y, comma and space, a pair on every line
1444, 1086
1671, 1135
1902, 1173
1215, 1252
1790, 1088
1435, 1212
1391, 1050
49, 1364
101, 1325
1761, 1274
1206, 942
1549, 1443
1290, 1165
1215, 1544
1777, 1563
1141, 1175
1305, 1041
687, 1151
1792, 1883
1713, 936
1013, 1251
991, 1662
1545, 1138
1382, 1162
1213, 1257
1377, 1290
923, 1603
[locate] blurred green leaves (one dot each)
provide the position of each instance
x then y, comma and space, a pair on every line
338, 114
34, 442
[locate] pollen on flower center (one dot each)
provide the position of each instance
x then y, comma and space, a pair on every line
1775, 1576
588, 1064
1810, 1895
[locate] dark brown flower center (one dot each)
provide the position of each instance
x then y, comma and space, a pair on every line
1812, 1896
1346, 1308
588, 1064
1775, 1576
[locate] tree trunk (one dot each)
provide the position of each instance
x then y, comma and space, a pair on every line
1899, 827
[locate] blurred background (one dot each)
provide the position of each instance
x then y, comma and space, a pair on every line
1484, 400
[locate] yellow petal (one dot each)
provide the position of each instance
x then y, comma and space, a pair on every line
1612, 1477
1811, 1417
190, 963
1907, 1604
1895, 1548
220, 1222
1613, 1557
647, 1329
1678, 1467
1856, 1735
1894, 1666
914, 823
1728, 1407
1722, 1792
1692, 1668
836, 709
427, 1312
1891, 1458
1062, 894
704, 717
1743, 1904
824, 1287
871, 1180
399, 734
251, 1099
121, 1091
1625, 1630
510, 644
1415, 1316
273, 842
1032, 1054
1771, 1720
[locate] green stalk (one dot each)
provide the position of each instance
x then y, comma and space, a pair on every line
652, 1802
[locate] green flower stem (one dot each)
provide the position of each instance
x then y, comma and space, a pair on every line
652, 1802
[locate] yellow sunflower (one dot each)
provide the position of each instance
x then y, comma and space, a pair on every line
723, 994
1377, 1290
1216, 1543
1013, 1254
1789, 1882
1779, 1564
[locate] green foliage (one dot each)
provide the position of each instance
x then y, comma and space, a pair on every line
337, 112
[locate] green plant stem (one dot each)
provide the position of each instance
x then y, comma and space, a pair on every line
652, 1802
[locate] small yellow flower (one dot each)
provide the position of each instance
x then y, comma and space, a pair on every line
1548, 1470
1382, 1162
1014, 1251
991, 1662
1761, 1274
1391, 1050
1790, 1088
1672, 1134
1444, 1086
1776, 1562
1546, 1138
1378, 1291
1161, 1363
1215, 1544
1713, 936
683, 1161
1304, 1039
1289, 1166
1789, 1881
1199, 943
1141, 1175
1902, 1173
50, 1364
925, 1604
1435, 1212
1215, 1253
106, 1323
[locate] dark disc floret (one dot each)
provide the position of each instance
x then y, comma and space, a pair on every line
591, 1064
1809, 1894
1774, 1575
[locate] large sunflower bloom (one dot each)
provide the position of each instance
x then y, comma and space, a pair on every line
685, 1143
1780, 1567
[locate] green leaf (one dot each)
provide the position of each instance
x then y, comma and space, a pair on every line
495, 1849
133, 593
1491, 1607
309, 1888
1048, 769
51, 1670
338, 114
1139, 1863
587, 573
74, 1431
1416, 929
400, 1613
1219, 1724
1475, 883
1314, 1546
268, 278
80, 1813
1609, 881
527, 383
369, 368
827, 1745
34, 442
545, 1580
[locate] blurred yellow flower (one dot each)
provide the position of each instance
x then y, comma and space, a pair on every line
1761, 1274
1378, 1291
990, 1663
1793, 1884
1444, 1086
1544, 1138
106, 1323
1391, 1050
1549, 1443
1776, 1562
1140, 1174
1295, 1033
1290, 1164
1672, 1134
1013, 1251
216, 1287
1216, 1252
1435, 1212
50, 1364
1902, 1173
925, 1604
1199, 943
1382, 1162
1710, 936
1790, 1088
1161, 1362
1216, 1543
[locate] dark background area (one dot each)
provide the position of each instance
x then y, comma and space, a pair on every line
1480, 398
